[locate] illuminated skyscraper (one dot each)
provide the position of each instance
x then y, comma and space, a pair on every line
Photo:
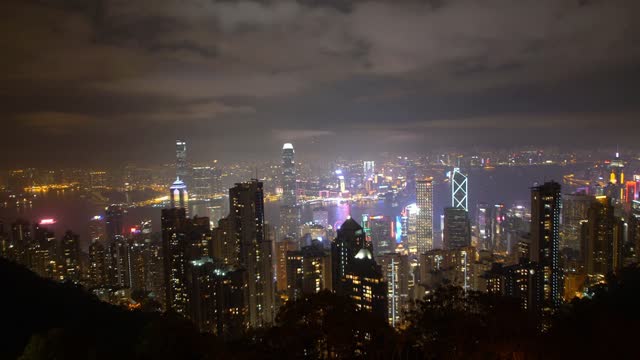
575, 210
247, 220
459, 187
70, 257
97, 267
97, 231
351, 238
202, 182
118, 263
44, 250
396, 272
283, 247
289, 186
21, 239
545, 244
289, 212
364, 283
178, 194
290, 219
457, 228
601, 243
484, 226
217, 294
424, 221
114, 221
381, 231
175, 245
182, 166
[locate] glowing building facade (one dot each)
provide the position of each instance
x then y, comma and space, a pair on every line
459, 190
424, 220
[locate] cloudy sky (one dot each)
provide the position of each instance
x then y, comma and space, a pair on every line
99, 81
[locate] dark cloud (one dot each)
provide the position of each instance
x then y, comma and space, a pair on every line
335, 74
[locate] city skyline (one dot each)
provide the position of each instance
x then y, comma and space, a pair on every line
309, 179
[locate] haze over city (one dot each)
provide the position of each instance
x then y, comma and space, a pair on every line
98, 80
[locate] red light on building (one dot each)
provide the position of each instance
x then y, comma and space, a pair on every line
631, 191
47, 221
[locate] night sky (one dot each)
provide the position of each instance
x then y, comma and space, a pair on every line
88, 82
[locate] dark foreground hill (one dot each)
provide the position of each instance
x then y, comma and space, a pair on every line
42, 319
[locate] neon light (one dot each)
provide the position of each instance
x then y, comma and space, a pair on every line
47, 221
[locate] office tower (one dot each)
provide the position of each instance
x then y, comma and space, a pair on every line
457, 229
498, 238
202, 182
44, 250
631, 191
364, 283
382, 231
410, 228
178, 194
216, 173
369, 170
289, 186
410, 176
290, 219
114, 221
545, 244
424, 220
368, 175
483, 221
350, 240
459, 190
97, 272
217, 294
247, 216
175, 246
321, 216
601, 239
396, 272
21, 239
182, 166
118, 263
575, 210
97, 230
70, 257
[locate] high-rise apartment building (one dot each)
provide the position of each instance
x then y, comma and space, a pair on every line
545, 244
247, 221
602, 239
114, 221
